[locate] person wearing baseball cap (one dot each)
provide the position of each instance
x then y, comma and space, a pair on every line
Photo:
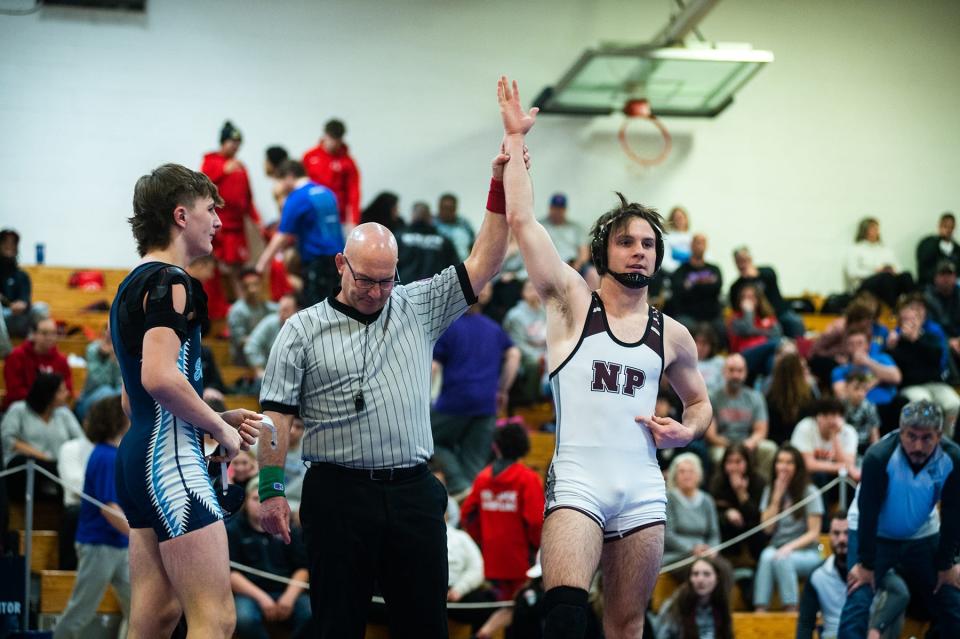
569, 237
935, 248
942, 298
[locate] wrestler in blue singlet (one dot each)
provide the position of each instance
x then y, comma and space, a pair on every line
162, 479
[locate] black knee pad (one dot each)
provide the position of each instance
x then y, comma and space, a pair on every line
564, 613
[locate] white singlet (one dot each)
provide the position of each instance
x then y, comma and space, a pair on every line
605, 463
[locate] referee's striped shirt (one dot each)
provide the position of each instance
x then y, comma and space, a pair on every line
317, 363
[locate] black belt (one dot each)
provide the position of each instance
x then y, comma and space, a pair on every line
373, 474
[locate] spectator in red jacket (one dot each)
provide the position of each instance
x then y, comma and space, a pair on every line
329, 164
228, 173
504, 512
38, 354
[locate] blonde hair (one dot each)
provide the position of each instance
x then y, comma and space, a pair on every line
679, 459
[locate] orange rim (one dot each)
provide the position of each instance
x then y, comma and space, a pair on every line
633, 155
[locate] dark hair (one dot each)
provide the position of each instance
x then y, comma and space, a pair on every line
616, 219
448, 196
381, 210
512, 441
335, 129
705, 330
789, 391
685, 603
248, 272
910, 299
797, 489
864, 225
856, 330
230, 132
947, 215
827, 406
856, 376
43, 391
859, 310
764, 308
155, 197
35, 322
105, 420
5, 233
276, 155
838, 515
297, 299
289, 168
720, 480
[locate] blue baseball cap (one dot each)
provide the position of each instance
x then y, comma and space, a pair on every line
559, 200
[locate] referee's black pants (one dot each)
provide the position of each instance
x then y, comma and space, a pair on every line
360, 530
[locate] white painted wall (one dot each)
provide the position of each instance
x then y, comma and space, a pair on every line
856, 116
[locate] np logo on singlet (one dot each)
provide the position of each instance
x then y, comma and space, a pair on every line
610, 377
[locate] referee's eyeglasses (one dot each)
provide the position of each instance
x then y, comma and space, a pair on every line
367, 284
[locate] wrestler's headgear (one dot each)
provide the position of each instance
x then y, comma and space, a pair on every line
230, 132
600, 238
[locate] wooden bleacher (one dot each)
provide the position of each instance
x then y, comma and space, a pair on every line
44, 549
764, 625
55, 589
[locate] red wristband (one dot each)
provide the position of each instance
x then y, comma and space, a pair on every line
497, 199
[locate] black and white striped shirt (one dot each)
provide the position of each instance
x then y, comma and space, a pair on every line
316, 368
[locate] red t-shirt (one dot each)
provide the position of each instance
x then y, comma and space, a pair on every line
21, 368
338, 172
504, 513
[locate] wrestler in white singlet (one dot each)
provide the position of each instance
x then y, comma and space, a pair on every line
605, 463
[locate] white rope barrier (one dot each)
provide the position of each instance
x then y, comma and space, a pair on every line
10, 471
682, 563
481, 605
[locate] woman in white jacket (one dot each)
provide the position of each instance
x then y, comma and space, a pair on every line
872, 266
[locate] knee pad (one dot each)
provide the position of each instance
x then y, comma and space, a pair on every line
564, 613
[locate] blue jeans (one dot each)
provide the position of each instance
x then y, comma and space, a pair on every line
786, 572
250, 624
913, 560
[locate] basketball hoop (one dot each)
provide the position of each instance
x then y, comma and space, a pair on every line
640, 108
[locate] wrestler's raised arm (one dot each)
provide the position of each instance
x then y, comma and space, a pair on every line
551, 276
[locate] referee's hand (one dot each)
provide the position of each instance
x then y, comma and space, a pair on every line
275, 517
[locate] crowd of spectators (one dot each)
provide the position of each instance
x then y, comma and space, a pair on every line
793, 410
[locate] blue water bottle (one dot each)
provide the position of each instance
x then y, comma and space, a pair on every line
41, 252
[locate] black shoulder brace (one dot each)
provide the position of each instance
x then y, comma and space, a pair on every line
159, 309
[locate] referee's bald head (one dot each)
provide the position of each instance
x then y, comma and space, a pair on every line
367, 266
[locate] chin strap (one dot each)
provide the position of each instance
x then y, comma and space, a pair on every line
632, 280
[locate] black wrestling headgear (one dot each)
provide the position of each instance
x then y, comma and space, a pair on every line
601, 237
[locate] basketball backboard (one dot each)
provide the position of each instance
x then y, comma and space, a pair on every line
677, 81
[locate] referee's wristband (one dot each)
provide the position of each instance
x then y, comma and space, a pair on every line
496, 198
270, 482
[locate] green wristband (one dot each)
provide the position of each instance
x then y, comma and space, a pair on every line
270, 483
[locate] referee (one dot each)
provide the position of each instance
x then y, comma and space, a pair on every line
356, 368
